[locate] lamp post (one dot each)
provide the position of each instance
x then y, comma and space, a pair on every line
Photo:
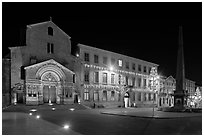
154, 75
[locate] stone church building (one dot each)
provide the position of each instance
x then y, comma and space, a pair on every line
45, 71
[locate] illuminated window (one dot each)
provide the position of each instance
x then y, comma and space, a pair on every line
96, 77
86, 57
112, 78
86, 94
105, 60
105, 78
120, 63
50, 31
95, 58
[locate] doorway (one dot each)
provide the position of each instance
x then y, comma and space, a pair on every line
49, 93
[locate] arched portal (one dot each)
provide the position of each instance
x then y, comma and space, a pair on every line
50, 82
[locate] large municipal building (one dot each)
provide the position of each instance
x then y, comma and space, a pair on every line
45, 71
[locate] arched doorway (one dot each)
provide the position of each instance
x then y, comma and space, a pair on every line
50, 81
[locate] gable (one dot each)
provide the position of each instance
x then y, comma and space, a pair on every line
48, 23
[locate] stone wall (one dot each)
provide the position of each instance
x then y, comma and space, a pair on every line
6, 81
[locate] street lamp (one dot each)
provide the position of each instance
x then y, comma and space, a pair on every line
111, 68
154, 75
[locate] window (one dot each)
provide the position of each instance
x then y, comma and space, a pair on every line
133, 96
139, 82
145, 83
86, 57
149, 97
126, 80
104, 95
105, 59
50, 48
149, 69
73, 78
112, 78
22, 72
95, 58
105, 78
50, 31
96, 77
139, 96
145, 69
120, 63
112, 95
119, 79
139, 68
144, 97
112, 61
86, 76
133, 66
96, 96
86, 94
133, 81
127, 65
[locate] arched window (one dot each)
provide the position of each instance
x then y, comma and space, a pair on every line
50, 31
104, 95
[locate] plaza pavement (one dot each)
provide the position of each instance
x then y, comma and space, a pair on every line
18, 123
16, 119
148, 113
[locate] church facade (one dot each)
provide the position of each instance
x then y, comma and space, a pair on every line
45, 71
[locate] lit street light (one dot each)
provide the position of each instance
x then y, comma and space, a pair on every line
66, 126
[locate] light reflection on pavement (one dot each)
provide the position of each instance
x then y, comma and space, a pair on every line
23, 124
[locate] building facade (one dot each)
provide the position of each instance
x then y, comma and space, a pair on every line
107, 76
167, 88
6, 94
45, 71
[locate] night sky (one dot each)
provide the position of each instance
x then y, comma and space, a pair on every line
147, 31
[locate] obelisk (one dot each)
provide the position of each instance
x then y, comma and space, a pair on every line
180, 92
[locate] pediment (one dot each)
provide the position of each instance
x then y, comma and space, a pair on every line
47, 63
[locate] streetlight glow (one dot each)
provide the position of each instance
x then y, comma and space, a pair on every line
72, 109
66, 126
38, 116
33, 110
111, 68
30, 114
53, 108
